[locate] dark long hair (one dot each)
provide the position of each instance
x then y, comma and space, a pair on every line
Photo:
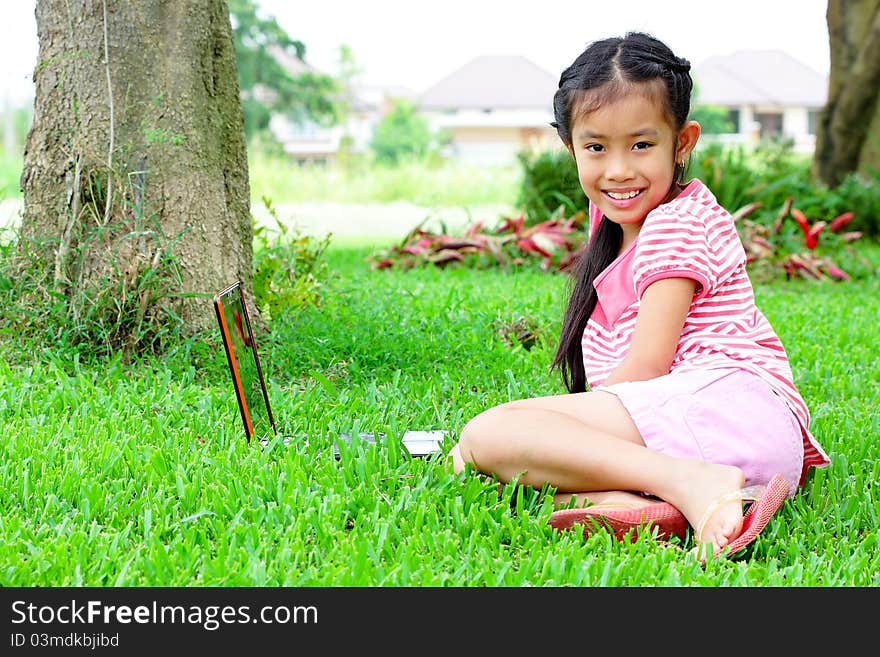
603, 72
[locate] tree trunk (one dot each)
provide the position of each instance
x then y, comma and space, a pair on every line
848, 134
135, 168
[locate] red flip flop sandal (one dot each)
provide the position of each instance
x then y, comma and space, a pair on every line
667, 520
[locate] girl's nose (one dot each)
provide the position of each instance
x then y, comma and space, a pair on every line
618, 168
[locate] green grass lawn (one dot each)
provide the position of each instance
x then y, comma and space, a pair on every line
138, 475
446, 184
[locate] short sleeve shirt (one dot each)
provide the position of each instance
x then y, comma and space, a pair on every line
693, 237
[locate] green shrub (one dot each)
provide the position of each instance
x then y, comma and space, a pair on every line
288, 267
858, 194
773, 175
131, 314
549, 186
713, 119
727, 172
403, 133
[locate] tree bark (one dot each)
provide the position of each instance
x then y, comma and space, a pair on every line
848, 134
135, 168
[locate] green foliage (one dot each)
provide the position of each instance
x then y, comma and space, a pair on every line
738, 175
10, 175
726, 171
550, 186
772, 173
712, 119
19, 123
129, 310
288, 268
402, 134
349, 72
266, 85
121, 476
256, 116
857, 193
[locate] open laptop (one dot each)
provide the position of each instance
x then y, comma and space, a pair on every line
250, 386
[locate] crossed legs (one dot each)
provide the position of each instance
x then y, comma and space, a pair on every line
586, 444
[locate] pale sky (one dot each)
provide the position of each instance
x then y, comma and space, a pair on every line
415, 43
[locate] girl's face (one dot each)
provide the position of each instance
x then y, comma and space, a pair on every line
625, 153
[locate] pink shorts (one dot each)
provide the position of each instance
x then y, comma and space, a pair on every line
727, 416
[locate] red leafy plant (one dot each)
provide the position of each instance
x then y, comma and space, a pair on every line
770, 250
552, 245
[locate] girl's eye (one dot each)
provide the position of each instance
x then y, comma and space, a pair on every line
594, 148
642, 145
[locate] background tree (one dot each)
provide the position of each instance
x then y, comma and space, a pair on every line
267, 85
135, 177
348, 74
401, 133
848, 134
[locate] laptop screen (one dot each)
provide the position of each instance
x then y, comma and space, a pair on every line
244, 364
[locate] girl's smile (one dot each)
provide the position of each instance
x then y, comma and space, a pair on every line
623, 199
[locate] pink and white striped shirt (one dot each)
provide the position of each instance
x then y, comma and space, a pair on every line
693, 237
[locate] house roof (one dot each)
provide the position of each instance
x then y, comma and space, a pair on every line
493, 81
759, 77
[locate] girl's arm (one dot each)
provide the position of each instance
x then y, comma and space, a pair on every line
662, 313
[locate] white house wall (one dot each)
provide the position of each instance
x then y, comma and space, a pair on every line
795, 122
795, 126
313, 141
746, 120
484, 153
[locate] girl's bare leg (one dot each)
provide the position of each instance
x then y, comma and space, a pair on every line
587, 443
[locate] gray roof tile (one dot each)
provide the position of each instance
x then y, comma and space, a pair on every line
759, 77
493, 81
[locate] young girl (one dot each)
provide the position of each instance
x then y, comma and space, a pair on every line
691, 396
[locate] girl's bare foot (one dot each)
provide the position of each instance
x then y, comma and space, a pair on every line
703, 484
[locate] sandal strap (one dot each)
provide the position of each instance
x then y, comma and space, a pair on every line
747, 494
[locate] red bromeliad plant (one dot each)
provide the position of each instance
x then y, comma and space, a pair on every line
552, 245
768, 250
